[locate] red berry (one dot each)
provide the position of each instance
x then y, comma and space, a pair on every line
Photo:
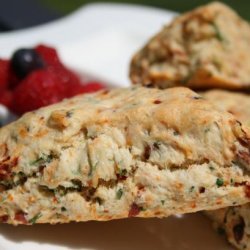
92, 87
48, 54
13, 79
6, 98
39, 89
69, 79
73, 89
4, 73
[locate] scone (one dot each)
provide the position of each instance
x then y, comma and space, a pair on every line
122, 153
233, 221
237, 104
207, 47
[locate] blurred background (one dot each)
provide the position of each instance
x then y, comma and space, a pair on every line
18, 14
65, 6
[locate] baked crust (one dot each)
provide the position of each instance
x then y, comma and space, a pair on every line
238, 104
204, 48
122, 153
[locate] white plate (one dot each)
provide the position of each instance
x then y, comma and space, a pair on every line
98, 40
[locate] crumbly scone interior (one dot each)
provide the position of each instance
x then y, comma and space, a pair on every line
123, 153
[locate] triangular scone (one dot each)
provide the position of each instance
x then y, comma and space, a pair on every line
203, 48
233, 221
122, 153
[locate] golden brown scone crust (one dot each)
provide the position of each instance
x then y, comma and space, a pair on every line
207, 47
237, 104
122, 153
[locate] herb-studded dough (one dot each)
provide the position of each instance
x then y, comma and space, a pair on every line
204, 48
233, 221
122, 153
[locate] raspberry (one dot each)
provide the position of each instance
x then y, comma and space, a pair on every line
91, 87
86, 88
13, 79
6, 98
40, 86
39, 89
73, 89
4, 73
68, 78
48, 54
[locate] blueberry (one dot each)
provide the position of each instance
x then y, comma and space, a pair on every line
24, 61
